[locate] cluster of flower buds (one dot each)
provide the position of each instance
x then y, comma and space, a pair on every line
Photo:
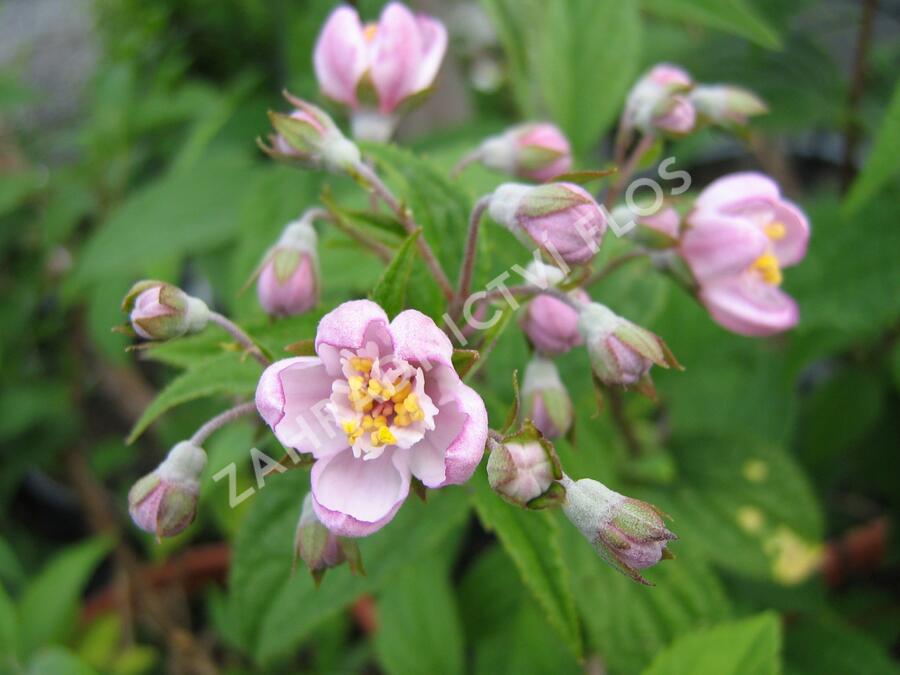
160, 311
550, 324
562, 219
739, 236
524, 469
309, 137
545, 399
536, 151
627, 533
374, 68
287, 282
164, 502
321, 549
622, 352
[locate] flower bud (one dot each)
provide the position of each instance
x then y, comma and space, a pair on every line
160, 311
546, 401
627, 533
622, 352
560, 218
164, 502
309, 137
321, 549
726, 105
550, 324
537, 151
288, 277
523, 469
657, 230
656, 103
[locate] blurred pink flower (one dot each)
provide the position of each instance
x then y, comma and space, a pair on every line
741, 234
379, 404
288, 278
538, 151
656, 102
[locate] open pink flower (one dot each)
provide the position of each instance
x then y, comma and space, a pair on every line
399, 56
742, 233
380, 403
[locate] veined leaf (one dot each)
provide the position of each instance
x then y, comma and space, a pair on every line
731, 16
390, 291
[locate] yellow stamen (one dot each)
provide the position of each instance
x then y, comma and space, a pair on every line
411, 404
384, 436
369, 31
402, 394
356, 383
775, 230
374, 387
402, 420
767, 266
361, 364
350, 427
367, 422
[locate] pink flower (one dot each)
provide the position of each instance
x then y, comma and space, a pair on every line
538, 152
160, 311
399, 56
742, 233
545, 399
379, 404
288, 279
560, 218
656, 102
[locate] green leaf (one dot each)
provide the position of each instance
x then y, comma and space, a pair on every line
9, 631
731, 16
825, 644
226, 374
47, 607
531, 539
746, 647
59, 661
883, 161
420, 636
390, 291
747, 505
183, 212
276, 610
555, 53
628, 624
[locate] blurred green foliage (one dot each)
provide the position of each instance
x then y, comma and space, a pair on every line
761, 450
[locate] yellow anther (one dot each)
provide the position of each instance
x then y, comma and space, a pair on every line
369, 31
380, 421
402, 420
374, 387
402, 394
385, 436
775, 230
418, 415
767, 266
355, 382
411, 404
350, 427
361, 364
367, 422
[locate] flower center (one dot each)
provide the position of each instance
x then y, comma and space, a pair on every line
380, 403
767, 266
369, 32
775, 230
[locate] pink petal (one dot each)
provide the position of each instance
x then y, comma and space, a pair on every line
434, 43
718, 246
449, 454
792, 248
291, 397
351, 325
418, 339
736, 188
341, 55
748, 306
396, 55
354, 497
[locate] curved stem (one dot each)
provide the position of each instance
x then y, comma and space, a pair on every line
628, 169
612, 266
384, 192
220, 420
238, 334
468, 262
461, 165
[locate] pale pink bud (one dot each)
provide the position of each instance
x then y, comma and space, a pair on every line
160, 311
545, 399
309, 137
288, 278
621, 352
537, 151
725, 104
627, 533
560, 218
321, 549
164, 502
550, 324
524, 468
656, 103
